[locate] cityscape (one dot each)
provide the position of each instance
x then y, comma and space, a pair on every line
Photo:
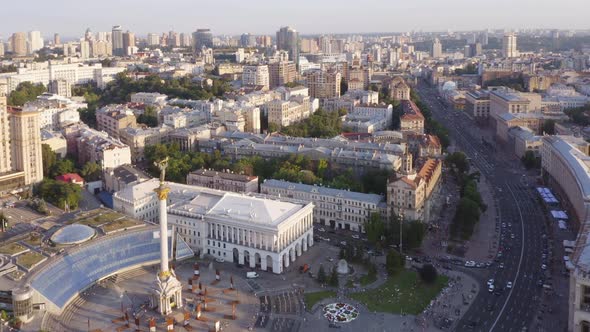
230, 173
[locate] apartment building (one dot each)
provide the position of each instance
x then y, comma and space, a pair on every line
25, 136
55, 111
281, 72
412, 119
324, 83
477, 105
399, 89
111, 119
99, 147
287, 112
256, 76
149, 98
226, 181
138, 138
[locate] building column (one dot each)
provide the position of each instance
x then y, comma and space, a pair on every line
310, 239
276, 265
252, 260
292, 253
287, 260
263, 265
240, 257
298, 248
304, 243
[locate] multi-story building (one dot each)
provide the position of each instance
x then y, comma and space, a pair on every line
25, 135
19, 43
55, 111
324, 84
369, 118
288, 40
225, 181
268, 233
99, 147
477, 105
256, 76
5, 154
202, 38
524, 139
129, 47
408, 196
138, 138
119, 178
61, 87
412, 119
399, 89
338, 208
117, 41
436, 50
281, 72
35, 41
509, 49
287, 112
111, 119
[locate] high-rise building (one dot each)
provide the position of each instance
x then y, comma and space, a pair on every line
35, 41
288, 40
102, 36
153, 39
129, 43
509, 49
202, 37
19, 43
281, 72
117, 39
5, 156
25, 135
1, 48
248, 40
60, 87
173, 39
88, 35
324, 83
56, 39
436, 50
84, 49
185, 39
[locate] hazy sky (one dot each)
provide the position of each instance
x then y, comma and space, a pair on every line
72, 17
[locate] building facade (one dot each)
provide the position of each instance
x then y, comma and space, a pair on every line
225, 181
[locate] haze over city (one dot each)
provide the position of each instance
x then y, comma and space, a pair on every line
69, 17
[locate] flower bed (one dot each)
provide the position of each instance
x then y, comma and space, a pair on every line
340, 312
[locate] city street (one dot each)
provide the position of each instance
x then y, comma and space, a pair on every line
520, 217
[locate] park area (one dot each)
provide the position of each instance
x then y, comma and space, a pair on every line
403, 293
312, 298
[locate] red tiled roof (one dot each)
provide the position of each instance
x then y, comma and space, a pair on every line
70, 178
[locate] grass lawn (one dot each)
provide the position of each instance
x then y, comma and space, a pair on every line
33, 240
29, 259
366, 279
404, 292
120, 224
312, 298
11, 249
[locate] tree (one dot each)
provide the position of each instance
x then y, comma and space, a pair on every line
60, 194
394, 262
3, 316
25, 92
343, 87
372, 271
61, 167
466, 217
549, 127
49, 158
322, 275
529, 160
375, 228
91, 171
459, 161
334, 278
149, 117
428, 273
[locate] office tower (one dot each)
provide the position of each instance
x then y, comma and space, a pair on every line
25, 135
128, 43
436, 50
88, 35
247, 40
102, 36
265, 41
281, 72
325, 45
84, 49
484, 37
19, 43
202, 38
288, 40
35, 41
5, 156
509, 45
56, 39
117, 40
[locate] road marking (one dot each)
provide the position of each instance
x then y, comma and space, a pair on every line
519, 261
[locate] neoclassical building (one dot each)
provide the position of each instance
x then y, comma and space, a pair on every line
254, 230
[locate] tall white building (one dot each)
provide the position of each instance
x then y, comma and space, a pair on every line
255, 231
25, 134
436, 51
84, 49
509, 49
35, 41
5, 156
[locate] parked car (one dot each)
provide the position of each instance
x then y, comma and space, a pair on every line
509, 284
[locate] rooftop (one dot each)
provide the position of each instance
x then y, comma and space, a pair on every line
325, 191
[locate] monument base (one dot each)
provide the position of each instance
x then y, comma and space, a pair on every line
166, 293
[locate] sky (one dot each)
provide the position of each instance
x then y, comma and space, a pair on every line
70, 18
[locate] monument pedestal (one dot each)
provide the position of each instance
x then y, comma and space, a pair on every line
166, 293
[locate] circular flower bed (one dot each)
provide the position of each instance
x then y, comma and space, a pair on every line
340, 312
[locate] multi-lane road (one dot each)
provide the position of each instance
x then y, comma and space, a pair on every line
521, 224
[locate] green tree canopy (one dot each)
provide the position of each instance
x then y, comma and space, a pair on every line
60, 194
91, 171
25, 92
428, 273
49, 159
394, 262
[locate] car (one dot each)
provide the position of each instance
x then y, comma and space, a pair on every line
491, 288
327, 239
501, 265
543, 267
509, 284
219, 260
490, 282
480, 265
356, 237
343, 243
321, 229
469, 264
512, 236
330, 259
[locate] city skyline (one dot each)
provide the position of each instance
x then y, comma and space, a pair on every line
265, 17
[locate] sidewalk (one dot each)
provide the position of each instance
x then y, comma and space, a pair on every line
483, 245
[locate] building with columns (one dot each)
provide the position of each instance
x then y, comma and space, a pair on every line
254, 230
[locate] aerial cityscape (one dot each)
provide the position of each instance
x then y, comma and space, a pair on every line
292, 167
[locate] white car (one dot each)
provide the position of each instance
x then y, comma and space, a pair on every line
321, 230
491, 288
490, 282
327, 239
219, 260
356, 237
343, 243
544, 267
509, 284
469, 264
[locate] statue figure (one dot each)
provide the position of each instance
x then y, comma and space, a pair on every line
162, 165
